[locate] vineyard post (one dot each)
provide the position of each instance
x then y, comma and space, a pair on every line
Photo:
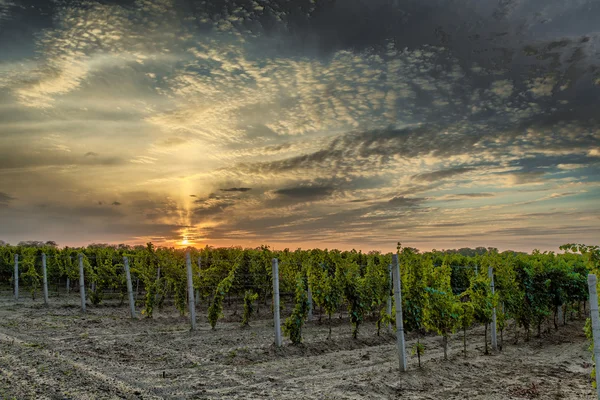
559, 313
16, 277
399, 321
197, 298
389, 297
81, 283
69, 280
592, 280
190, 279
276, 310
494, 337
129, 287
45, 278
310, 304
157, 282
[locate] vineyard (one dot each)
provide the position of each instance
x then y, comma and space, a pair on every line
474, 308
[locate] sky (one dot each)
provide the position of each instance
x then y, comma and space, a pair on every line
307, 123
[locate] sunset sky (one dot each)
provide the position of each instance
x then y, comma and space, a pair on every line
301, 123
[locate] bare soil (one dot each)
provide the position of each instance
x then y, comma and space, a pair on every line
57, 352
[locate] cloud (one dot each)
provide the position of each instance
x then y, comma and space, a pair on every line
173, 141
402, 201
20, 159
299, 134
116, 203
306, 192
442, 174
522, 178
474, 195
236, 189
211, 207
5, 199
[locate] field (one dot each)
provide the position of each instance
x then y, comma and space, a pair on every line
59, 353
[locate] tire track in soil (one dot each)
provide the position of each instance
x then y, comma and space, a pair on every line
90, 378
350, 368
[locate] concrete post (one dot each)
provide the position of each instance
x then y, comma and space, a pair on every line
277, 322
129, 287
16, 277
592, 281
399, 320
191, 302
81, 283
494, 330
45, 278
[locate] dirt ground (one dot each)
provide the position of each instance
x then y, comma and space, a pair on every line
59, 353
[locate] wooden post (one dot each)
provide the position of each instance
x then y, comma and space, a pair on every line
592, 281
399, 321
310, 304
129, 287
45, 278
493, 326
191, 302
81, 283
276, 310
16, 277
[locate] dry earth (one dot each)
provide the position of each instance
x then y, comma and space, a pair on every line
58, 353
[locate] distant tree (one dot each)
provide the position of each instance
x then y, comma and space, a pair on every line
31, 243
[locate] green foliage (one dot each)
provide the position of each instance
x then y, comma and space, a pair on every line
466, 317
28, 271
249, 299
415, 272
377, 287
215, 311
326, 285
441, 311
529, 287
355, 293
418, 349
483, 301
293, 324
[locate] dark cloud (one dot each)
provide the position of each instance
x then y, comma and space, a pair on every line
17, 159
474, 195
402, 201
442, 174
116, 203
211, 209
525, 177
306, 192
236, 189
5, 199
91, 154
